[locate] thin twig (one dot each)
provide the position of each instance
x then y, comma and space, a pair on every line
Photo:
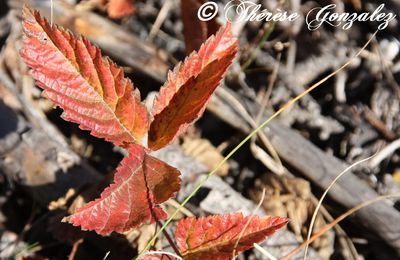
271, 84
160, 19
384, 153
168, 237
380, 126
75, 249
264, 252
51, 13
277, 167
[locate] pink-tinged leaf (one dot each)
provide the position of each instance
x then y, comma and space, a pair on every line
90, 89
214, 237
120, 8
140, 183
157, 255
184, 96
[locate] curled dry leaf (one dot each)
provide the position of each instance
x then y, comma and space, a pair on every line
90, 89
184, 96
214, 237
140, 183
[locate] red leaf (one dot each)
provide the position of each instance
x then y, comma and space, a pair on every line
90, 89
120, 8
183, 97
214, 237
141, 182
195, 31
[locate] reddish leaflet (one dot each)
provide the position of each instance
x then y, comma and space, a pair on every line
184, 96
141, 182
90, 89
93, 92
215, 237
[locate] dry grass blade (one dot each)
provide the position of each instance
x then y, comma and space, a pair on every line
324, 195
337, 220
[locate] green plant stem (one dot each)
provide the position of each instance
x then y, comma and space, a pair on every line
253, 54
248, 137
